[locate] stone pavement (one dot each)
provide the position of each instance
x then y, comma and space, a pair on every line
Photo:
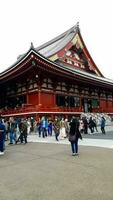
43, 171
107, 143
46, 171
98, 139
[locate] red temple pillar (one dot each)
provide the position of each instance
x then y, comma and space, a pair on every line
54, 99
27, 98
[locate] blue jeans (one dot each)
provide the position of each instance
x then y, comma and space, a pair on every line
44, 132
12, 137
74, 146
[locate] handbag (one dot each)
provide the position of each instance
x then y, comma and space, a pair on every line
80, 136
72, 138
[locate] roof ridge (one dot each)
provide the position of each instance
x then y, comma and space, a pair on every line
72, 29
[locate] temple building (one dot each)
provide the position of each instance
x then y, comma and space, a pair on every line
56, 78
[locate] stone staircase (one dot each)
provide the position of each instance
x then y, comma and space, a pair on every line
98, 116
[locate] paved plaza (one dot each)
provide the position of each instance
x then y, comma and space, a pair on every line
97, 139
45, 170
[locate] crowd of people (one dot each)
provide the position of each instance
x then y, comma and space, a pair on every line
16, 130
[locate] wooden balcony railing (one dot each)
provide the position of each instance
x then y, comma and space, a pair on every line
35, 109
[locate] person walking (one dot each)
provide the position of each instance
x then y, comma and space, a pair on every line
102, 124
62, 129
81, 126
85, 125
91, 125
24, 132
6, 124
50, 128
12, 132
44, 124
2, 137
67, 127
74, 135
39, 128
95, 124
56, 127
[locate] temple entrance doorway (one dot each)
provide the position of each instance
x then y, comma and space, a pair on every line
87, 105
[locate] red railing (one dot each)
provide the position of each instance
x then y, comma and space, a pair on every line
35, 109
32, 108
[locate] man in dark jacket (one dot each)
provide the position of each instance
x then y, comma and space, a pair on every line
91, 125
23, 132
56, 127
103, 121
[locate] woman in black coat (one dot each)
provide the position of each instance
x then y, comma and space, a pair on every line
74, 135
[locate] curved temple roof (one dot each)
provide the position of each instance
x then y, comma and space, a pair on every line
69, 48
57, 43
67, 51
